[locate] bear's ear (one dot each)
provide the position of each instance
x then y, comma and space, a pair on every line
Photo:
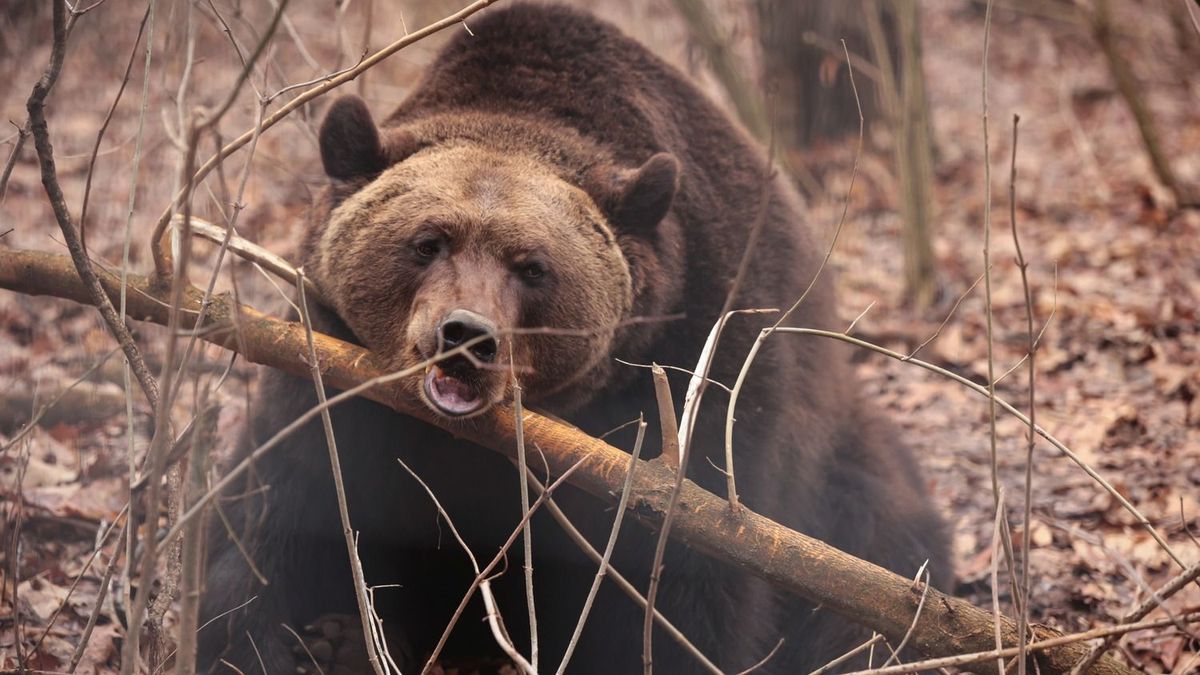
350, 146
638, 199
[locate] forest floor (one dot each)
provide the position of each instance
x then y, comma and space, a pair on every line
1114, 274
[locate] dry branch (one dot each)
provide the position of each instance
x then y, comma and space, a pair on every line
861, 591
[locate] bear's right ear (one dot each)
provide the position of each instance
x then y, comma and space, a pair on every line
638, 199
351, 144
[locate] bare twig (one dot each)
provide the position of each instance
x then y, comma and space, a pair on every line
1193, 13
987, 263
101, 593
895, 657
997, 535
191, 578
482, 575
187, 223
364, 612
1009, 652
1023, 617
623, 583
670, 432
677, 369
87, 185
13, 157
766, 332
949, 315
527, 533
763, 661
699, 382
668, 425
75, 583
869, 644
987, 289
608, 549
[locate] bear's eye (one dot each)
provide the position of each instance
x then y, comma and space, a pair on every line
533, 271
428, 248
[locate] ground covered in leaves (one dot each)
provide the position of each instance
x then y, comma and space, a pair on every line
1114, 271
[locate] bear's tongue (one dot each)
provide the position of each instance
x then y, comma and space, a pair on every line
450, 394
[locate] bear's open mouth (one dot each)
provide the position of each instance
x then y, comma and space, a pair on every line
450, 395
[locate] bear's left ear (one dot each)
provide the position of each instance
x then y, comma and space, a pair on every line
638, 199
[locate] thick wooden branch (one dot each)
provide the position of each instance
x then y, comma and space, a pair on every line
858, 590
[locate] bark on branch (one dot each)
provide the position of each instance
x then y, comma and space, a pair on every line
858, 590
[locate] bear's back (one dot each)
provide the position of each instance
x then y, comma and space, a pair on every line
559, 63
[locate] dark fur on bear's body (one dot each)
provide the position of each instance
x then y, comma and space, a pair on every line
577, 96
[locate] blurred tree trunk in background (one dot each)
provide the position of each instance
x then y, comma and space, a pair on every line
914, 161
804, 63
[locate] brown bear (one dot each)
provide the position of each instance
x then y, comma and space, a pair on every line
554, 197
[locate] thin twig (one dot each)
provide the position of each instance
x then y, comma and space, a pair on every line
668, 425
37, 417
608, 548
685, 371
997, 534
1009, 652
1041, 333
987, 288
482, 575
828, 667
949, 315
1023, 617
670, 432
191, 579
895, 657
98, 605
1193, 13
87, 184
623, 583
364, 613
697, 385
224, 242
850, 328
766, 332
527, 534
14, 156
763, 661
75, 583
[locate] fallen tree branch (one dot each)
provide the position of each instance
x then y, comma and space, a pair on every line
858, 590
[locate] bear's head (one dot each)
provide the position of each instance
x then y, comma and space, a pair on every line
495, 257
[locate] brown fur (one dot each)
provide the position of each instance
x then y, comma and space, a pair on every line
550, 137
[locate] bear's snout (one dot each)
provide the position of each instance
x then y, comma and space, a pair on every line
462, 384
464, 327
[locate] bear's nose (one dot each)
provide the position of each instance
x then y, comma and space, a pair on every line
462, 326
